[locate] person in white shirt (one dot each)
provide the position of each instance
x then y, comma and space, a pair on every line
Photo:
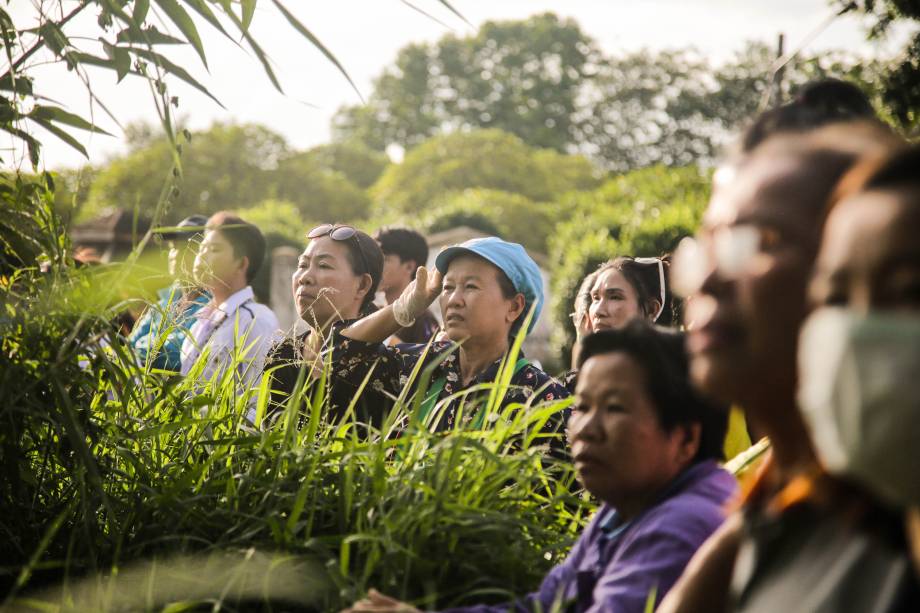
232, 329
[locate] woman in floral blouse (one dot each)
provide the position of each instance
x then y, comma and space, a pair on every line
486, 287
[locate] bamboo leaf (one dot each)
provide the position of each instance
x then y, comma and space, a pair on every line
148, 36
316, 43
451, 8
61, 134
204, 10
182, 19
263, 58
177, 71
249, 9
140, 11
54, 113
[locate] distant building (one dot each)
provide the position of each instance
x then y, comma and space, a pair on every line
112, 235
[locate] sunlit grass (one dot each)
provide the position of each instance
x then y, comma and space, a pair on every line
116, 474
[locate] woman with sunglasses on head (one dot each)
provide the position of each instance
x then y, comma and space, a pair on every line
619, 291
486, 288
336, 278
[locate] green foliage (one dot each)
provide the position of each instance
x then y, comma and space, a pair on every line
318, 193
360, 164
501, 212
488, 159
280, 217
232, 166
522, 77
642, 213
223, 167
545, 81
900, 82
130, 42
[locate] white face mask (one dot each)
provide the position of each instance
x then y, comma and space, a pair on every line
859, 391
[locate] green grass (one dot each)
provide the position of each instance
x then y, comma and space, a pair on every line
121, 490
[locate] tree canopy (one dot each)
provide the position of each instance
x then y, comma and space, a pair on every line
232, 166
489, 159
545, 81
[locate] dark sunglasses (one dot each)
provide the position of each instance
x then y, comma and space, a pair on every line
340, 233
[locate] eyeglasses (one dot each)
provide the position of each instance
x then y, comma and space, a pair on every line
728, 250
340, 233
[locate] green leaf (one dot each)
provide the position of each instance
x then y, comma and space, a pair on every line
455, 12
249, 9
316, 43
22, 84
61, 134
122, 62
204, 10
176, 71
148, 36
54, 113
140, 11
263, 58
182, 19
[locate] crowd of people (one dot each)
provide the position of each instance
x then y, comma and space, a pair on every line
799, 305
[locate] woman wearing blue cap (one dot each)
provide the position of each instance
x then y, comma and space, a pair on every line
486, 287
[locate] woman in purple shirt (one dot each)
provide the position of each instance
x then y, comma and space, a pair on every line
647, 446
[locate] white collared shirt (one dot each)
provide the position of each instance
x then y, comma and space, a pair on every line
237, 328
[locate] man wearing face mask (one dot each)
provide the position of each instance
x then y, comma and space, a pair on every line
859, 359
756, 250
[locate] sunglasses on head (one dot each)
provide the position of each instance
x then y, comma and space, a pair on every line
340, 233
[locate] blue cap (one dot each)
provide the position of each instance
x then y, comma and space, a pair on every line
511, 259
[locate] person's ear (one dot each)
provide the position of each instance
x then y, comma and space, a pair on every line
244, 266
364, 286
409, 266
651, 309
516, 309
689, 442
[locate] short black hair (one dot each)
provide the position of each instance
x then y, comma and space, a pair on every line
661, 354
245, 238
364, 250
405, 243
817, 103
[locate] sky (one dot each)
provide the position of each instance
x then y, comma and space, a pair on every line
365, 36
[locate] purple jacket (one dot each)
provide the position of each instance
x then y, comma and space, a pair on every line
613, 567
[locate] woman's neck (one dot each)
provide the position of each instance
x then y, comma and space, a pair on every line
475, 358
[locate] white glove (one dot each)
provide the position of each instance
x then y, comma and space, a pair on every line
417, 296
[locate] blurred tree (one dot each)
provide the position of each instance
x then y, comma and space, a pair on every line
318, 193
900, 84
360, 164
230, 166
278, 217
544, 80
489, 159
223, 167
496, 212
523, 77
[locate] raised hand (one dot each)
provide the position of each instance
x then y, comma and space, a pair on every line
417, 296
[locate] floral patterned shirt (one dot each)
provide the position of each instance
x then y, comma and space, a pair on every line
353, 359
